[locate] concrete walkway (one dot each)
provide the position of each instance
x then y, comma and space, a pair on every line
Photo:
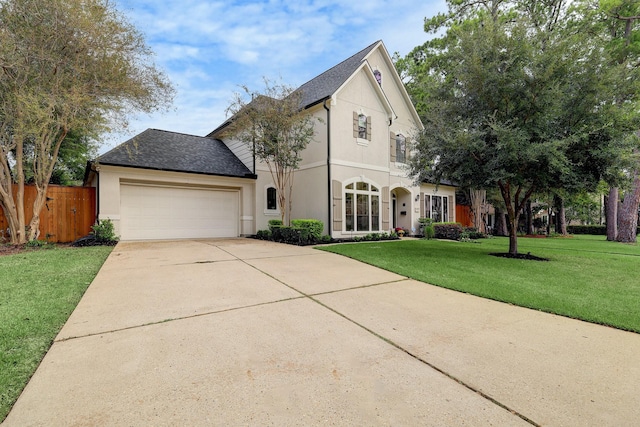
245, 332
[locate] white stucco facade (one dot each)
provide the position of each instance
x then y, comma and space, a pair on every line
352, 177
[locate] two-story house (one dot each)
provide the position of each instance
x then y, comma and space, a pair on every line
353, 176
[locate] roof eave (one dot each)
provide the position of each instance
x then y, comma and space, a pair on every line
247, 175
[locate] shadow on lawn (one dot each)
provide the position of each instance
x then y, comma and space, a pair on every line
526, 256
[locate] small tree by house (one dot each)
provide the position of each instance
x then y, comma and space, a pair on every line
277, 130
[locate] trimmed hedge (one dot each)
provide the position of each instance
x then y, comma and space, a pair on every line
273, 223
587, 229
311, 229
263, 234
472, 233
302, 232
447, 230
598, 230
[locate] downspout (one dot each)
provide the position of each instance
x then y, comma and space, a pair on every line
329, 195
96, 169
97, 196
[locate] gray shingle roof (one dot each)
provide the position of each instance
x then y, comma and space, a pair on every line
177, 152
327, 83
323, 86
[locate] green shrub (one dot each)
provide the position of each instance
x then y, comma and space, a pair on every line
472, 233
103, 231
598, 230
448, 230
311, 229
326, 239
429, 231
274, 223
264, 234
289, 235
374, 237
423, 224
39, 244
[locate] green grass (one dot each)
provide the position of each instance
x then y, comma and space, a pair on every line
38, 291
586, 278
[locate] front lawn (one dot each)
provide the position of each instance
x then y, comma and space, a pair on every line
38, 291
586, 277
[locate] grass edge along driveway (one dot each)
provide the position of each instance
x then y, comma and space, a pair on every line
39, 290
585, 278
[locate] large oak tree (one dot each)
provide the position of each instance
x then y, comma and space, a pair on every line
514, 97
64, 65
619, 21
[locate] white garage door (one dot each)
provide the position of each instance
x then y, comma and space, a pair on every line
151, 212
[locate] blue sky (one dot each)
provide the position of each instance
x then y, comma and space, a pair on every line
209, 48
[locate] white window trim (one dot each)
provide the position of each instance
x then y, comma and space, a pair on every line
363, 141
356, 192
429, 211
398, 164
270, 212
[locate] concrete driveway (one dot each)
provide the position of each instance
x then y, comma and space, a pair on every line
245, 332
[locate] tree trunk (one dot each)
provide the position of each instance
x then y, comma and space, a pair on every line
628, 212
561, 219
20, 232
514, 205
11, 215
513, 234
529, 216
500, 228
38, 204
611, 214
478, 201
7, 202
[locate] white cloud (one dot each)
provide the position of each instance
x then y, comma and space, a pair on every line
208, 48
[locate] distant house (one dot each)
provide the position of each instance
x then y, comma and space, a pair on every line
166, 185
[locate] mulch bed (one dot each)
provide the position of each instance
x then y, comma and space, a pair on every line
11, 249
7, 249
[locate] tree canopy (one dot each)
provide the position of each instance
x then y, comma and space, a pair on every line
64, 65
274, 126
513, 96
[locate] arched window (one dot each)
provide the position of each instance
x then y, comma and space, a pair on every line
362, 207
271, 200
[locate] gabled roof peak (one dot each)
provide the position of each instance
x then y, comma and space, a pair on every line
326, 84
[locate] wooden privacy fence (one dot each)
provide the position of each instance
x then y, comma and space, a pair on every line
463, 215
68, 213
